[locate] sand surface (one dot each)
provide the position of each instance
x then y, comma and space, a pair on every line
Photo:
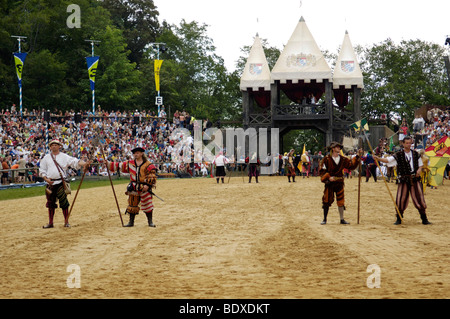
232, 240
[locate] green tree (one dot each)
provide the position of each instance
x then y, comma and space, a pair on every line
118, 79
402, 77
193, 76
55, 73
138, 19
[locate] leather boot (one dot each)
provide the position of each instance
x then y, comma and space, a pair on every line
341, 215
65, 214
150, 219
131, 222
51, 213
424, 218
399, 220
325, 214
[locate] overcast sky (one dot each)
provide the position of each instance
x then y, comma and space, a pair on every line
234, 23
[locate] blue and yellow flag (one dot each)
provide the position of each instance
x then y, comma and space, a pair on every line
158, 64
92, 64
19, 60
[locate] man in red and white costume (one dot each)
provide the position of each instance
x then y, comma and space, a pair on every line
139, 190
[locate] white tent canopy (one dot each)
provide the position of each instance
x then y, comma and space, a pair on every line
301, 59
347, 71
256, 71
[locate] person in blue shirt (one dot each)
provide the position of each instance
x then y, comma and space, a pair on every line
371, 166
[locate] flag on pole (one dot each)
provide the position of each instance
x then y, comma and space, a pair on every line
158, 64
19, 60
361, 124
92, 65
391, 144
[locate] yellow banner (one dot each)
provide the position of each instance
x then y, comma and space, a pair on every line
158, 64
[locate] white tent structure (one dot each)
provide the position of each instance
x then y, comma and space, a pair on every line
256, 73
301, 70
255, 84
347, 73
301, 59
308, 83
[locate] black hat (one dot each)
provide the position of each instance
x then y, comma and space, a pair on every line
137, 149
334, 144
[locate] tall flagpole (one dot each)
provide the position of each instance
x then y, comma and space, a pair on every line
158, 97
19, 39
93, 91
359, 175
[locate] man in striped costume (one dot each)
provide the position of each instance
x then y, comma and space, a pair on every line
409, 168
139, 190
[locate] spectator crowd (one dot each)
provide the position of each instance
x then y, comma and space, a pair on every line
24, 138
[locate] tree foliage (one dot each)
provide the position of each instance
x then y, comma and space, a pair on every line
398, 77
402, 77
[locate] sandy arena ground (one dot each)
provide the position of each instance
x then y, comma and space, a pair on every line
234, 240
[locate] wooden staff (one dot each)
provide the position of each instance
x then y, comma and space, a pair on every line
66, 221
384, 179
359, 177
110, 180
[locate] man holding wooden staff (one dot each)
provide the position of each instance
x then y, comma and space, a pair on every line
409, 168
139, 190
53, 170
331, 172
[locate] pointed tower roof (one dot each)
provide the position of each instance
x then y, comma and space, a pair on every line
256, 72
301, 59
347, 71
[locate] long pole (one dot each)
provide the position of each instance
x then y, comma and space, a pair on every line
359, 178
75, 197
159, 92
110, 180
19, 39
20, 98
93, 91
157, 56
384, 179
79, 185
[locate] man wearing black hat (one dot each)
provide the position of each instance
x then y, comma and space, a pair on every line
409, 168
331, 169
139, 190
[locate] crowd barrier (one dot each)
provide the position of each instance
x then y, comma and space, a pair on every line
31, 178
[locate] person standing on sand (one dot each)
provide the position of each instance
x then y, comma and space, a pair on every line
290, 166
331, 170
53, 169
220, 161
409, 169
139, 190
